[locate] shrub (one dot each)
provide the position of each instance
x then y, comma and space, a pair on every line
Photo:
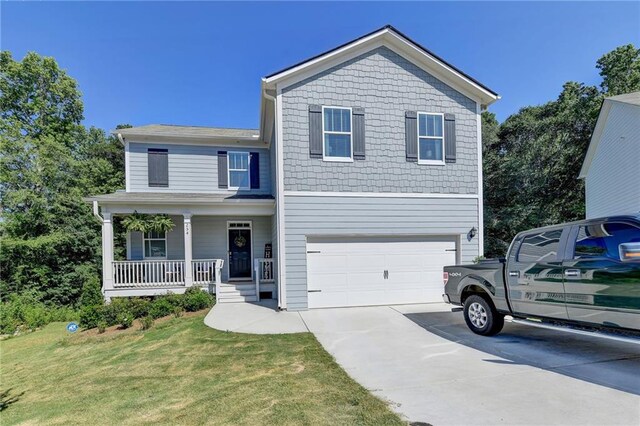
110, 312
195, 299
177, 311
91, 316
161, 307
176, 300
139, 307
125, 319
91, 292
146, 322
102, 326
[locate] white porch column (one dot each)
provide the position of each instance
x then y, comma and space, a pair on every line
107, 252
188, 251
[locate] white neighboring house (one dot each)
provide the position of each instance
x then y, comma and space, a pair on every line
612, 163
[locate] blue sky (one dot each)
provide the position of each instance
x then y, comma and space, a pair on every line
200, 63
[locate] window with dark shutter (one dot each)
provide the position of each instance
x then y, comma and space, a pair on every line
254, 164
315, 131
411, 135
223, 177
158, 167
450, 138
358, 134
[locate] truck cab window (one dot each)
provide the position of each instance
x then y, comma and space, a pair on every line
604, 240
540, 247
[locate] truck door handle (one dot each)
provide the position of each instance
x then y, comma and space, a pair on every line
514, 274
572, 273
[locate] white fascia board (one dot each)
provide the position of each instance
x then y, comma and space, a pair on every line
170, 140
376, 194
399, 45
595, 138
193, 209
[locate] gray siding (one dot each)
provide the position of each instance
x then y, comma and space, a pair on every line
385, 85
192, 168
612, 181
210, 237
339, 216
175, 242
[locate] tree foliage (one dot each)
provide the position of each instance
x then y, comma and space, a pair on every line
531, 161
48, 163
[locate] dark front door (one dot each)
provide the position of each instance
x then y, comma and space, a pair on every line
240, 253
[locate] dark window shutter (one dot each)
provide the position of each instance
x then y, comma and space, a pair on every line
358, 133
223, 176
315, 131
411, 135
449, 138
158, 167
255, 170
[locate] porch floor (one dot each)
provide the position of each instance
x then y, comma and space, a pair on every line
254, 318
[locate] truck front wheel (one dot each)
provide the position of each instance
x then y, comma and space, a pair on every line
481, 316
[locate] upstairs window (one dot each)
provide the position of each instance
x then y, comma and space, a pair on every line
239, 171
336, 134
430, 138
158, 167
155, 245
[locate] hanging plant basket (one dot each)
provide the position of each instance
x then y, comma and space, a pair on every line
138, 222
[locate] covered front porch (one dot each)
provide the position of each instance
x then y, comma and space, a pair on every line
224, 248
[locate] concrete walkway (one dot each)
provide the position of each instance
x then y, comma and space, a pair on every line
254, 318
428, 378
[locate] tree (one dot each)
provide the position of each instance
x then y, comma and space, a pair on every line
48, 163
620, 70
532, 160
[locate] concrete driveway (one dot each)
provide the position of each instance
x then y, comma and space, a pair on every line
424, 361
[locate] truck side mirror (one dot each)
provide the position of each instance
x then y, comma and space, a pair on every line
629, 252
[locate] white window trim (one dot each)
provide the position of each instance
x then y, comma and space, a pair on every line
144, 247
430, 162
325, 157
238, 188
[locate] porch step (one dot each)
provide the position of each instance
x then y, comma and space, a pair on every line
233, 292
237, 299
243, 286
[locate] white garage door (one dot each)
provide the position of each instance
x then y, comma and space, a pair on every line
382, 271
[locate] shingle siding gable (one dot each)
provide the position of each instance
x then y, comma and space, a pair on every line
385, 85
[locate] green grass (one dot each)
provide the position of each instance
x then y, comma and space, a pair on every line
179, 372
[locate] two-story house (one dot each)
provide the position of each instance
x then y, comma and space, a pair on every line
362, 182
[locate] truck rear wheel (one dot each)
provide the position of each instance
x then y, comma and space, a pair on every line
481, 316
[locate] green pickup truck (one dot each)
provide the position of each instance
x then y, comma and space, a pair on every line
585, 275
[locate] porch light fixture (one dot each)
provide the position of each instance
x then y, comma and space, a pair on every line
473, 232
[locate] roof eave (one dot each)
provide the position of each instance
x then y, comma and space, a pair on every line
390, 36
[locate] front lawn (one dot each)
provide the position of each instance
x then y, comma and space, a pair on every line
179, 372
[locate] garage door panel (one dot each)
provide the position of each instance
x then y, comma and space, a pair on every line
414, 268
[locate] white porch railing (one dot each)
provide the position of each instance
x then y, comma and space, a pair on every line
165, 273
206, 271
148, 273
264, 273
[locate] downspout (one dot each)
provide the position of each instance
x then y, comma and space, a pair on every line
282, 300
96, 212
